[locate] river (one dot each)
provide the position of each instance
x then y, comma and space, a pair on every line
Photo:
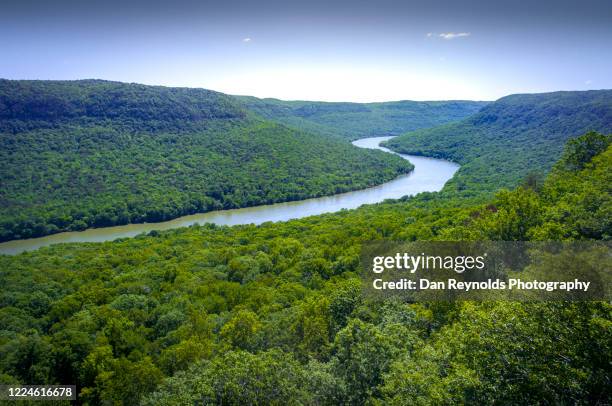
429, 175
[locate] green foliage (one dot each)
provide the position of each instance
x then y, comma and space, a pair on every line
512, 137
29, 104
242, 378
573, 208
359, 120
272, 314
509, 353
580, 151
95, 154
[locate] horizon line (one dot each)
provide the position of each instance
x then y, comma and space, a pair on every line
296, 100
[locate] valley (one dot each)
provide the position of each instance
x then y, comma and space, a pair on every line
82, 154
320, 203
428, 175
266, 305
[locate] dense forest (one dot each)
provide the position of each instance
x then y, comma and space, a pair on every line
511, 138
92, 153
29, 104
359, 120
273, 314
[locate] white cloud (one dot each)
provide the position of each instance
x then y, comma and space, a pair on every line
453, 35
247, 39
588, 82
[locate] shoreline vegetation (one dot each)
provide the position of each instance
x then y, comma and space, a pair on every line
431, 176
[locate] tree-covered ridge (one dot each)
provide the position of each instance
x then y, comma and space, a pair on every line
26, 104
273, 314
510, 138
359, 120
94, 154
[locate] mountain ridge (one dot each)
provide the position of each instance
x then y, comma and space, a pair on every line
510, 138
351, 120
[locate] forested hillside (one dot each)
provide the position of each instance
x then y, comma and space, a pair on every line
27, 104
359, 120
273, 314
93, 153
511, 138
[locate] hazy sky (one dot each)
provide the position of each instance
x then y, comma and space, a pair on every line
316, 50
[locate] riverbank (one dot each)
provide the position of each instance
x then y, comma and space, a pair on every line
429, 175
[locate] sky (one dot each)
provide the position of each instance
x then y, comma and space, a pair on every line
377, 50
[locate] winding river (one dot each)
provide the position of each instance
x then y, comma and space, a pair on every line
429, 175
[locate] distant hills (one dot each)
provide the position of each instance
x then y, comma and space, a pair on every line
360, 120
92, 153
511, 138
